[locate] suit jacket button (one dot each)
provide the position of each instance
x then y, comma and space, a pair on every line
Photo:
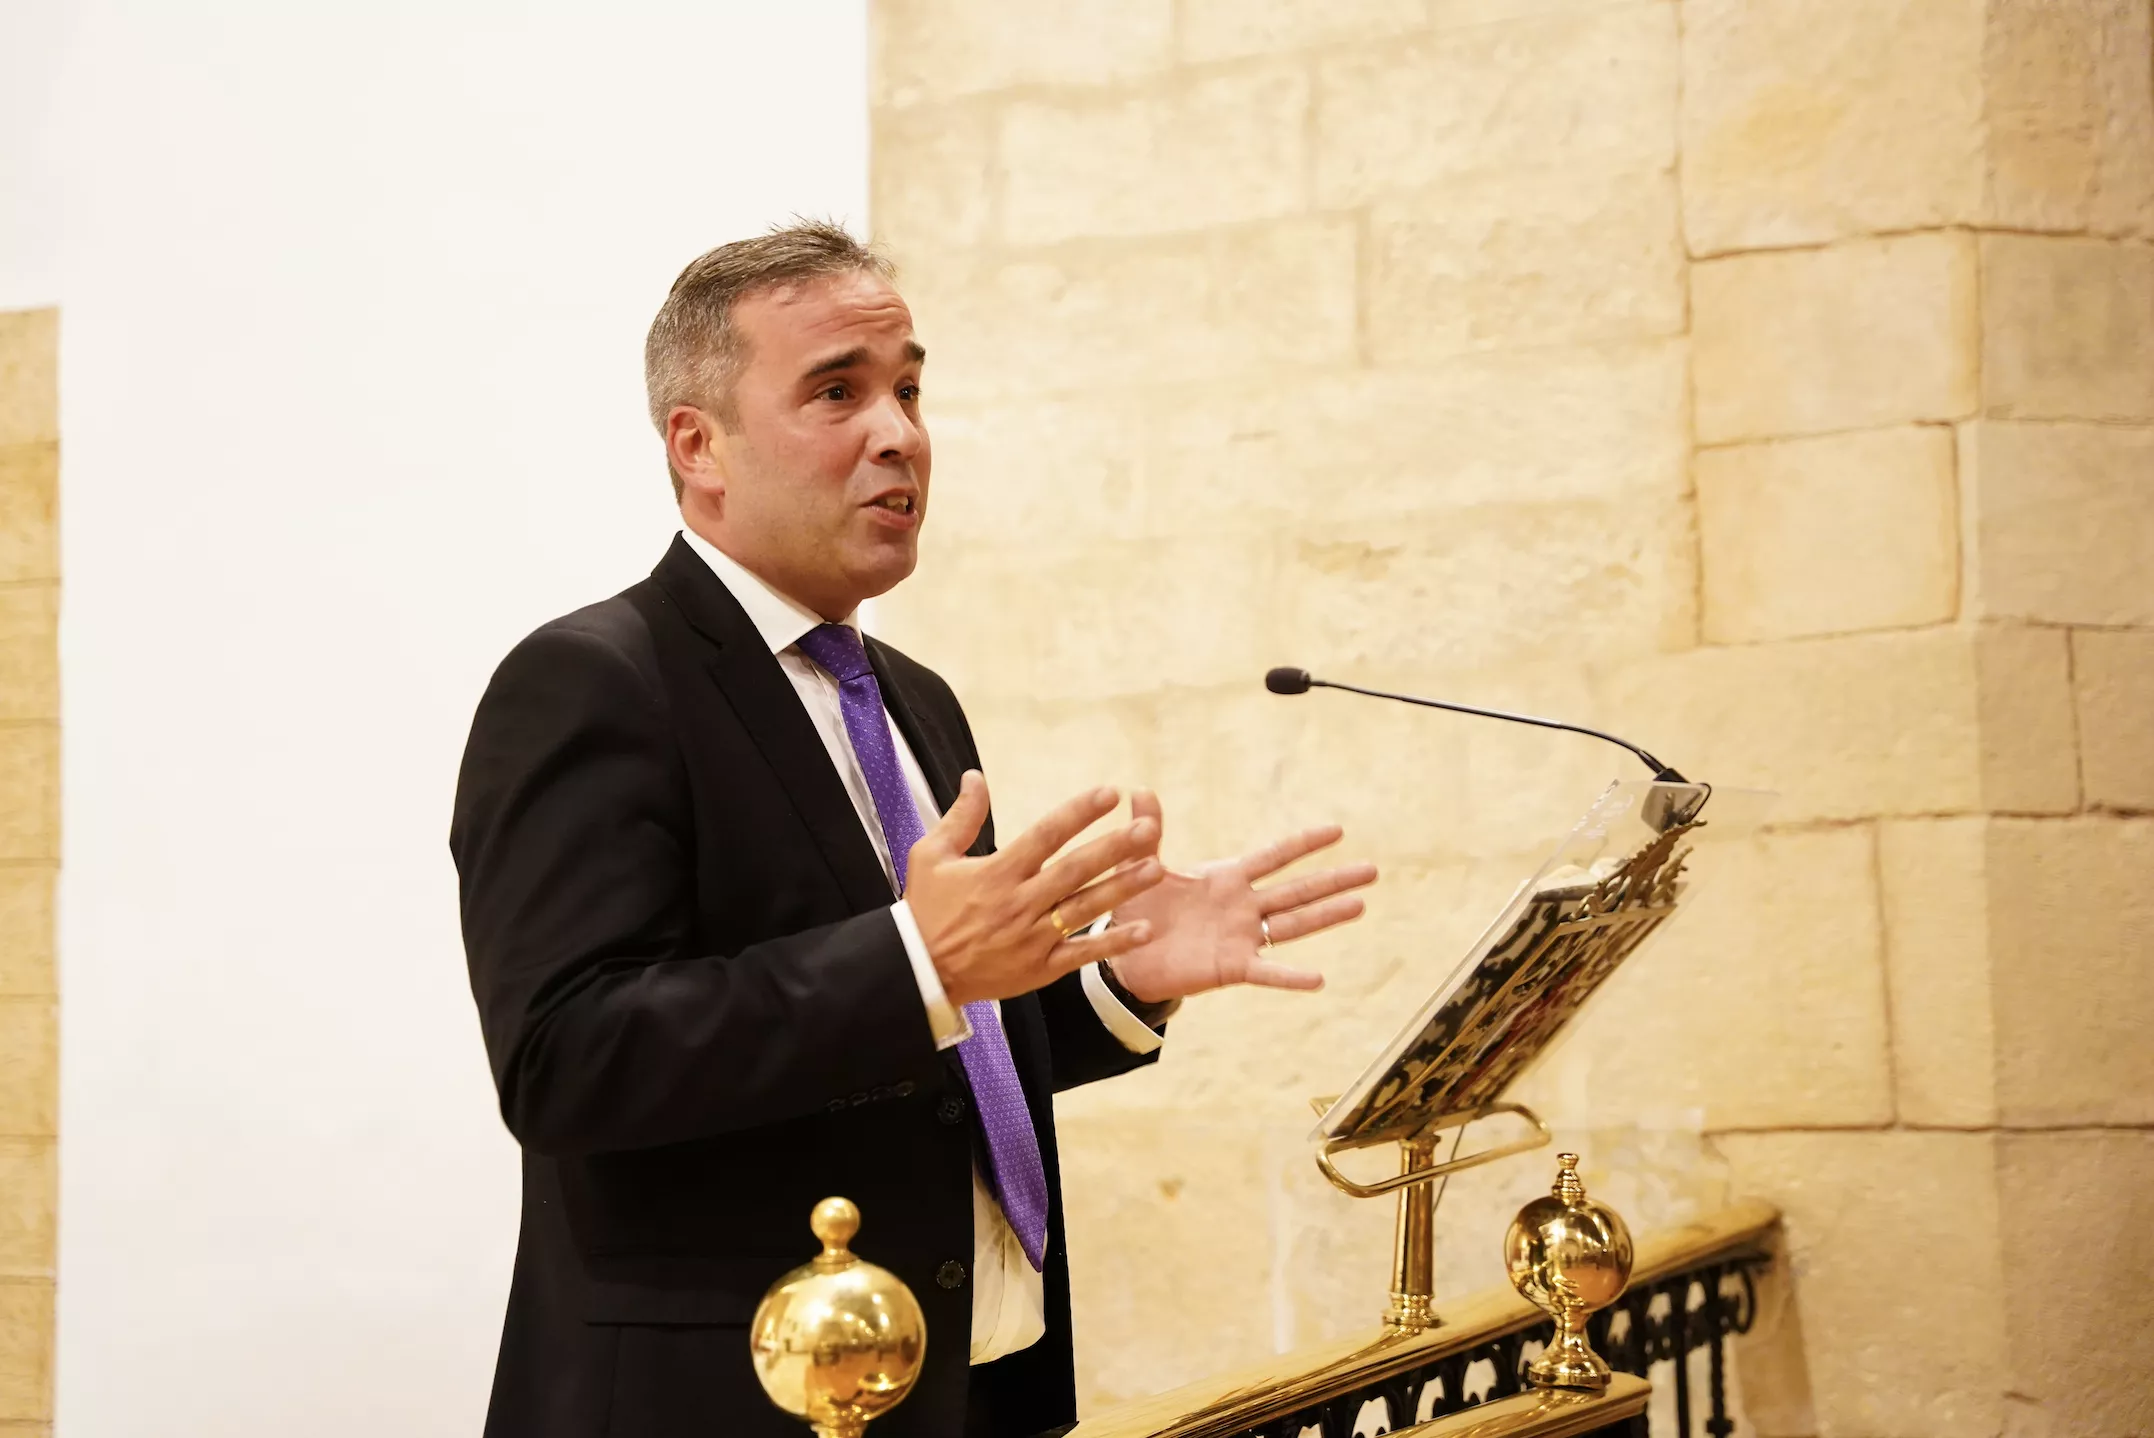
951, 1274
951, 1108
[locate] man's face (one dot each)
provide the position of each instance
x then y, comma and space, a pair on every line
820, 483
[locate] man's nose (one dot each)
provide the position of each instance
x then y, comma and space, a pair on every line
898, 437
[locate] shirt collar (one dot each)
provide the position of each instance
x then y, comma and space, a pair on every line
779, 618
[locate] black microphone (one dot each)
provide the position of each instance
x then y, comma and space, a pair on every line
1284, 680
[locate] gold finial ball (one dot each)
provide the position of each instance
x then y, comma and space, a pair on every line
835, 1221
1571, 1256
837, 1341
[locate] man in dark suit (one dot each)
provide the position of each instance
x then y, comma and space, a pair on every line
739, 931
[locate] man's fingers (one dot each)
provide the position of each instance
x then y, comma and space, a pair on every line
1073, 954
1144, 804
1063, 823
1268, 974
1314, 918
1138, 842
959, 827
1274, 857
1108, 894
1311, 887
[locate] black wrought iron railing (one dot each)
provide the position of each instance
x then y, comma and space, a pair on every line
1694, 1287
1652, 1331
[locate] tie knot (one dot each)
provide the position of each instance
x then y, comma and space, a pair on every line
837, 648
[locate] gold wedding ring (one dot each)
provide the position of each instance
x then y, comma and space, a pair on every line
1264, 926
1054, 916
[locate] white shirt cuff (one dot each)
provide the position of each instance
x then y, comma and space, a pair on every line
945, 1020
1134, 1033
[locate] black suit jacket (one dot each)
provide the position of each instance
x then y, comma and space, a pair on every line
701, 1020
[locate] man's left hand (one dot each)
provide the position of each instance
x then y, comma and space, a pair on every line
1209, 925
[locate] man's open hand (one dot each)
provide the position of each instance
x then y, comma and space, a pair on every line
990, 923
1207, 926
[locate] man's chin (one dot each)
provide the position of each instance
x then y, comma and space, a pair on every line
884, 572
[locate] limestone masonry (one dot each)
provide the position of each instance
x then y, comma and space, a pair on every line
1769, 380
29, 859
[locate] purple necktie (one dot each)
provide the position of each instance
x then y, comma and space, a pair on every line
1013, 1149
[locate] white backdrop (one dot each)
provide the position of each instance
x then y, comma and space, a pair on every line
353, 302
32, 37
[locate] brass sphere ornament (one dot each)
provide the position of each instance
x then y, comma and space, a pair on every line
837, 1341
1571, 1256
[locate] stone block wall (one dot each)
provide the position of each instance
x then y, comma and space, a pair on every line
29, 860
1769, 380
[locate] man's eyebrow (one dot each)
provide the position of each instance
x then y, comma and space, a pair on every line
845, 360
915, 353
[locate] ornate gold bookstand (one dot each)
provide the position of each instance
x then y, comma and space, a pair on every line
1614, 881
1413, 1241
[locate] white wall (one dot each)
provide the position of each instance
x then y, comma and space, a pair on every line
32, 38
353, 309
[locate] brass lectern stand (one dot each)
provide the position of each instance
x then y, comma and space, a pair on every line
1610, 883
837, 1342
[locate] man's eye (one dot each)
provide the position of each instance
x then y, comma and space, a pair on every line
909, 392
835, 391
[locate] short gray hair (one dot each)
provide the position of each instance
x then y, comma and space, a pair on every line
693, 353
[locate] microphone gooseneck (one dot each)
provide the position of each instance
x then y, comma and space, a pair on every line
1287, 680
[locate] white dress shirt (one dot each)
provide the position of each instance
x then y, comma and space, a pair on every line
1008, 1300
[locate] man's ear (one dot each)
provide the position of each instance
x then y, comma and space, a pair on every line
696, 450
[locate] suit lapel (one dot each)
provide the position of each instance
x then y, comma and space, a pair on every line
942, 761
764, 701
942, 765
926, 741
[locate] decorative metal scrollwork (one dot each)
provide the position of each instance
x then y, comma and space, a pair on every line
1654, 1325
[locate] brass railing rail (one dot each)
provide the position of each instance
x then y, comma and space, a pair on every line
1335, 1374
1545, 1414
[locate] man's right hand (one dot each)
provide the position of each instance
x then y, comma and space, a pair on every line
986, 921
